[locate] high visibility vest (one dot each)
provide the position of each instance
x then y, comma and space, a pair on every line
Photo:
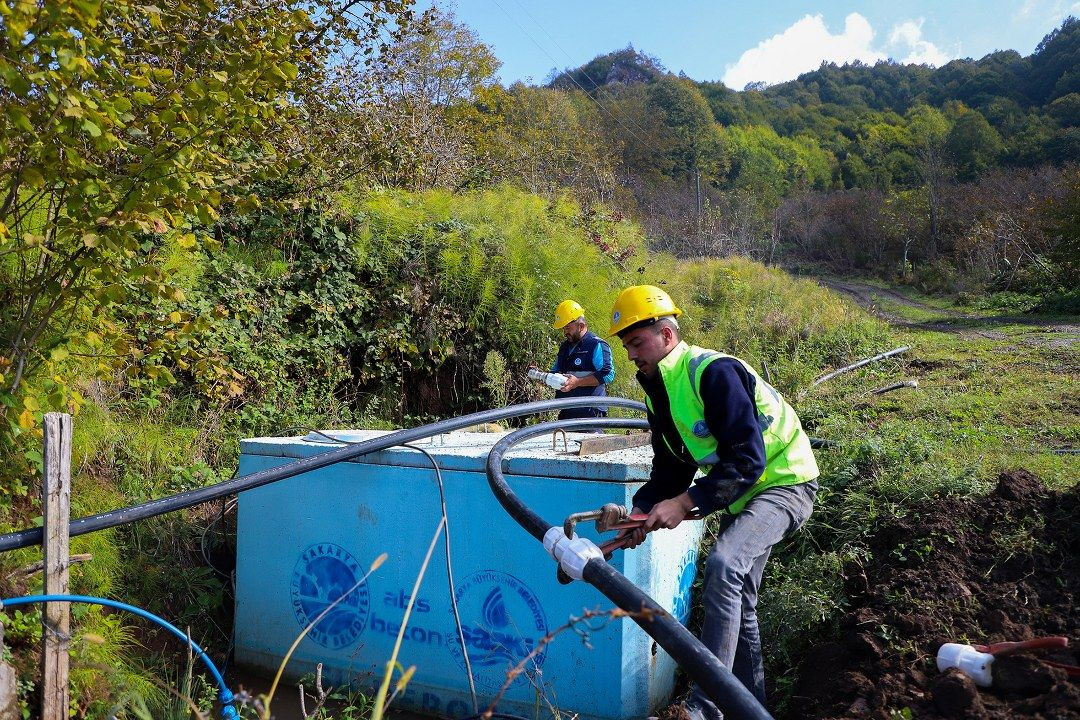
788, 457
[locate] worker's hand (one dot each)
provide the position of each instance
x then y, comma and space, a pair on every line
571, 383
634, 536
669, 513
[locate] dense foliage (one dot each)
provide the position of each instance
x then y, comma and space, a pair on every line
940, 176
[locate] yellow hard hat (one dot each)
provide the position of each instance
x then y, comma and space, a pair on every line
640, 302
567, 312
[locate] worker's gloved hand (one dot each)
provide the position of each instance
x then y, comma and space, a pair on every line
610, 514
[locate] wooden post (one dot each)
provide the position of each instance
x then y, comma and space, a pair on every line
56, 511
9, 691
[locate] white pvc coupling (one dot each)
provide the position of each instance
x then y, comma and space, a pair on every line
572, 554
968, 660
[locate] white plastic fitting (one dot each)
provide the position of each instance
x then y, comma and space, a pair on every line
554, 380
968, 660
572, 554
555, 541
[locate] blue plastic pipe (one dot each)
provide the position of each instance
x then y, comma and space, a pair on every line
225, 695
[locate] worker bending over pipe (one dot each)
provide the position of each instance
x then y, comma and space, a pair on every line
712, 412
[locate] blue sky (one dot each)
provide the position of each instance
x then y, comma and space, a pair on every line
740, 42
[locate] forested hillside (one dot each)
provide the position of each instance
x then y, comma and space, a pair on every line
963, 175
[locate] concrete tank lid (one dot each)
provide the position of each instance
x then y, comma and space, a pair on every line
468, 451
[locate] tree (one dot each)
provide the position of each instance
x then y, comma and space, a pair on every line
929, 129
689, 120
973, 145
125, 129
544, 140
695, 145
418, 89
1056, 56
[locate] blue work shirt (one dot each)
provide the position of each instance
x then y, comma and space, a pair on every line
588, 356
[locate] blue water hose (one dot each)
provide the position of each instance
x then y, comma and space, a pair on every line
225, 695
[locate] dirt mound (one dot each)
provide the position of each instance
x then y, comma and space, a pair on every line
1005, 567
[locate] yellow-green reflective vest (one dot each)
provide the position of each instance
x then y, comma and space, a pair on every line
788, 457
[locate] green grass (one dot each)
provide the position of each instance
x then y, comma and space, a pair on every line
997, 395
984, 405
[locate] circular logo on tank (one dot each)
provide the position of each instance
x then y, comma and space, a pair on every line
323, 574
680, 606
502, 621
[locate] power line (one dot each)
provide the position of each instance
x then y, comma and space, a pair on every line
571, 59
579, 86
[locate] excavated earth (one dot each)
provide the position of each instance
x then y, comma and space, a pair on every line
1001, 568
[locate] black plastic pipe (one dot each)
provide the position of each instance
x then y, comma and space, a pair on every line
722, 687
180, 501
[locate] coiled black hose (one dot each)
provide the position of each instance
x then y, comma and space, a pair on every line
160, 506
730, 695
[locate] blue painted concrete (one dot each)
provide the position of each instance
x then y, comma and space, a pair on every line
303, 542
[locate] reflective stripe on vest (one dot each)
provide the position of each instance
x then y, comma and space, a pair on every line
788, 457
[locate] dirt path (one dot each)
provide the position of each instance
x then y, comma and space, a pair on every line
1049, 332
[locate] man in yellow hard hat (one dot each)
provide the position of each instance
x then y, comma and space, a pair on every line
712, 413
583, 357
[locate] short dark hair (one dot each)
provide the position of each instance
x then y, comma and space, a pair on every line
657, 324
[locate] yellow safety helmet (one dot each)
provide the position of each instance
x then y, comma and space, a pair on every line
638, 303
567, 312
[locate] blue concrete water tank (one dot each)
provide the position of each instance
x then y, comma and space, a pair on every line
303, 542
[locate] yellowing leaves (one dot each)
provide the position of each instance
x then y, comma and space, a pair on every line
26, 419
32, 177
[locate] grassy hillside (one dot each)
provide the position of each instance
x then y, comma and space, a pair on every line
996, 395
386, 311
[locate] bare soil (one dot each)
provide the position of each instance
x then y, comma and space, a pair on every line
1001, 568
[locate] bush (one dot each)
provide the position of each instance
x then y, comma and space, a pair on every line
1060, 302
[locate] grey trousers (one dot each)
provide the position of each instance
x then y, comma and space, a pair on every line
732, 576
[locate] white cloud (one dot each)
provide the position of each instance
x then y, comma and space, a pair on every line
1044, 11
1027, 8
808, 43
801, 48
907, 36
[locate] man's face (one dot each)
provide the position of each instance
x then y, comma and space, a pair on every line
574, 330
646, 348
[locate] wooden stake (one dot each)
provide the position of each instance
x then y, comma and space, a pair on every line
56, 511
9, 691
